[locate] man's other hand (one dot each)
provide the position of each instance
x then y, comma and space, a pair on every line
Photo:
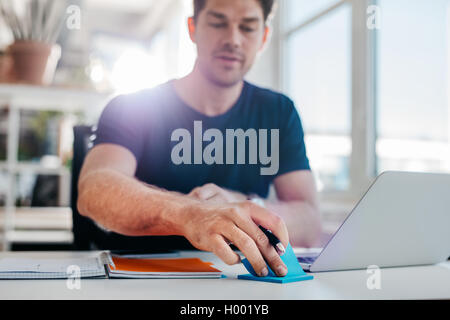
213, 193
212, 227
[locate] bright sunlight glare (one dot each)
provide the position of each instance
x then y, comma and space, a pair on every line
136, 70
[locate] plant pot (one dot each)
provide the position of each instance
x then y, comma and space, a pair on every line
34, 62
6, 72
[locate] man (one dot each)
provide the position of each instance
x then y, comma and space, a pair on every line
145, 177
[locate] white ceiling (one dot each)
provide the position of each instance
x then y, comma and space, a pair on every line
126, 6
139, 19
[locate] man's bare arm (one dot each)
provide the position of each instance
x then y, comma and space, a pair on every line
298, 205
110, 195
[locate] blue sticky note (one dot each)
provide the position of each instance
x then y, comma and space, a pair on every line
295, 271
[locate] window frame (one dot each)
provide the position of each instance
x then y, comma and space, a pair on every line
362, 170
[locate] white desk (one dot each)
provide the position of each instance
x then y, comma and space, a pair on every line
423, 282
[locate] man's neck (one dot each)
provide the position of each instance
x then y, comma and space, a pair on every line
206, 97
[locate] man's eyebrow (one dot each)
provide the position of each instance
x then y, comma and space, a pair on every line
251, 19
216, 14
219, 15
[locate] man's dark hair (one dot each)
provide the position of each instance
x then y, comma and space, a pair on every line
267, 6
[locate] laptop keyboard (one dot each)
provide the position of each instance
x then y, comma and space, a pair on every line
306, 260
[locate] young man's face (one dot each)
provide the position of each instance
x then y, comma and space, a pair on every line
228, 34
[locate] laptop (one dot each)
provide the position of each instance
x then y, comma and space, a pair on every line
402, 220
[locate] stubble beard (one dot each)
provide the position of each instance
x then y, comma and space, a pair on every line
211, 76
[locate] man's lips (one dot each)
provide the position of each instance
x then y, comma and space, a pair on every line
229, 59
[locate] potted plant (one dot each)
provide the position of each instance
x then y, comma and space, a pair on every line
34, 52
6, 74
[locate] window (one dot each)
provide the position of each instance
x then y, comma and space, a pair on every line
413, 86
301, 10
319, 82
371, 100
126, 65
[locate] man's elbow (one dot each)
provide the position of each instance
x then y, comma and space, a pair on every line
83, 198
316, 231
82, 206
317, 235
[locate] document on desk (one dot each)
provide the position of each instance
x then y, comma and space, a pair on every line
161, 268
105, 265
18, 268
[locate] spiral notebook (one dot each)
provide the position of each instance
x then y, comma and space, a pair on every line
106, 266
21, 268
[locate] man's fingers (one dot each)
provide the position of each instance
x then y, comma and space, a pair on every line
265, 247
224, 252
267, 219
217, 198
206, 192
248, 247
270, 254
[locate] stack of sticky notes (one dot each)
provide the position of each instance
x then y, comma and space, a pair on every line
161, 268
295, 271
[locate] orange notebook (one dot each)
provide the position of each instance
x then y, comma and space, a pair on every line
161, 268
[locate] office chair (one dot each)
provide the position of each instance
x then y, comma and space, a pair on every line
85, 232
88, 235
45, 191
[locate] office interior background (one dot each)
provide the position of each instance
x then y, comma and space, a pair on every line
370, 80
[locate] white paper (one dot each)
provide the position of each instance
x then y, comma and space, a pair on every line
48, 265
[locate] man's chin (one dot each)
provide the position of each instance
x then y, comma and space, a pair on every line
226, 82
222, 77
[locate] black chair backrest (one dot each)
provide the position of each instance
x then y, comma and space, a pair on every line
84, 229
87, 235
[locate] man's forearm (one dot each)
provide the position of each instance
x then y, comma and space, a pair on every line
125, 205
302, 220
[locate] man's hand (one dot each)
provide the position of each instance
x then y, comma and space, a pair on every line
212, 193
212, 227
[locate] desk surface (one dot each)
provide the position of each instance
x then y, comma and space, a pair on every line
422, 282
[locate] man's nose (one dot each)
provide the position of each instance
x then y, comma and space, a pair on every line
233, 37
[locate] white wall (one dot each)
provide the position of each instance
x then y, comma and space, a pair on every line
266, 71
5, 36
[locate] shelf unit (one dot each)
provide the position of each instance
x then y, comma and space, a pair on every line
16, 98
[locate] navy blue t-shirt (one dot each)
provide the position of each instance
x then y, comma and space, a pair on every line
144, 123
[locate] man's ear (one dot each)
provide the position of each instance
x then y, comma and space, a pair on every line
191, 28
266, 37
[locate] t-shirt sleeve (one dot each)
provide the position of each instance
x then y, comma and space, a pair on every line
293, 156
120, 124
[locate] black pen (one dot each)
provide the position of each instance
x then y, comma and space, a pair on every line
274, 241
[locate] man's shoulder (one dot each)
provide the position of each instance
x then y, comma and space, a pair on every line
269, 98
138, 102
144, 97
